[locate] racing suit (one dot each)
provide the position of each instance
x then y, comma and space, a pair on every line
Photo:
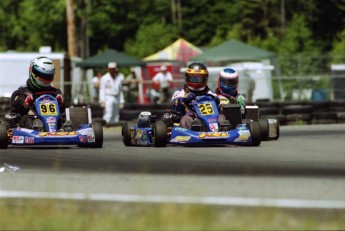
18, 100
225, 99
180, 101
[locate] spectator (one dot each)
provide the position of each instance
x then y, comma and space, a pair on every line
132, 84
163, 78
95, 85
111, 96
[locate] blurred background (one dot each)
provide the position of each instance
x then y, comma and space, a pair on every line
284, 50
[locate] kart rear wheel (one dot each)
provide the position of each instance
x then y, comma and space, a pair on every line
98, 130
264, 129
255, 133
126, 136
3, 136
159, 136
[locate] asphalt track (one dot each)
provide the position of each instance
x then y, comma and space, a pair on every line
304, 168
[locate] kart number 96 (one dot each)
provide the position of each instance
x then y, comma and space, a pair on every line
48, 109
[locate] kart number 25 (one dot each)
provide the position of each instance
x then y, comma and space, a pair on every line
206, 109
48, 109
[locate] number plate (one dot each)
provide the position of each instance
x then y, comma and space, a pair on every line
206, 109
48, 109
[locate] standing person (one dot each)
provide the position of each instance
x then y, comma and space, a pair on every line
111, 96
227, 88
95, 85
163, 78
41, 75
132, 82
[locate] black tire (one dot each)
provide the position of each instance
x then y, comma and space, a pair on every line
254, 129
264, 129
126, 136
159, 136
98, 130
3, 136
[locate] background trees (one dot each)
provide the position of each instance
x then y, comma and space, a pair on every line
141, 27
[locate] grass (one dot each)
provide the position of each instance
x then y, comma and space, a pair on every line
30, 214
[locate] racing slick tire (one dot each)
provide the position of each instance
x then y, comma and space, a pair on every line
264, 129
126, 136
255, 132
98, 130
159, 136
3, 136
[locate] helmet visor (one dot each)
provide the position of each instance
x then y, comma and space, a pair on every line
229, 81
196, 79
45, 77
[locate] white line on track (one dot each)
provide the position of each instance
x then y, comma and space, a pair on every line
235, 201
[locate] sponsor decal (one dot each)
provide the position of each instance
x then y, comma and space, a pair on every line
90, 138
181, 129
214, 135
243, 136
61, 134
51, 119
83, 139
29, 140
18, 139
181, 139
86, 131
213, 126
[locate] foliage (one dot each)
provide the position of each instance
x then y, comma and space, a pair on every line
282, 26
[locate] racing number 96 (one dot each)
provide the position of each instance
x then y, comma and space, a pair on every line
206, 109
48, 109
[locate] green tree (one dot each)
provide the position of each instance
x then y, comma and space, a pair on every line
338, 51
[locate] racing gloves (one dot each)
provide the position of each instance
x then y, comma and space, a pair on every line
29, 101
59, 98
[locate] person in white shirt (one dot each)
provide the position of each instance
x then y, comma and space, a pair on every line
111, 96
95, 85
163, 78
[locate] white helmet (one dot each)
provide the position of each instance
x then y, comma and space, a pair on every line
41, 72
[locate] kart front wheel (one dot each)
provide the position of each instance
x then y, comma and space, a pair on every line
159, 136
264, 129
98, 131
255, 133
3, 136
126, 136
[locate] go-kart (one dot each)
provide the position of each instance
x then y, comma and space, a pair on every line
149, 130
48, 127
269, 128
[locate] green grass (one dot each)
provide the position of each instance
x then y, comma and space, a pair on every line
35, 214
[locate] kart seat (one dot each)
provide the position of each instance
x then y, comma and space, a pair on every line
78, 115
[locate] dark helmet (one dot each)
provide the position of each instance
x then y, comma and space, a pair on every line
41, 72
196, 76
228, 82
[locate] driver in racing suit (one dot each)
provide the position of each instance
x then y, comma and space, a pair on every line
227, 88
196, 77
41, 75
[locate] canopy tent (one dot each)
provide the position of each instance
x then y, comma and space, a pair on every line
102, 60
233, 50
181, 50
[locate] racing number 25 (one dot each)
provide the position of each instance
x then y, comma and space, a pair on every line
48, 109
206, 109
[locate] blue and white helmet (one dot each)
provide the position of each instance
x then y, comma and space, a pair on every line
228, 82
41, 72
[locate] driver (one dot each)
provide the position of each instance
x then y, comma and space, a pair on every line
227, 88
196, 77
41, 75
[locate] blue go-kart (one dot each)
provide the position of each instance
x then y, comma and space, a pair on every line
49, 128
151, 131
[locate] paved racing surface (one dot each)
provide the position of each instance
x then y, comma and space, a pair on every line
306, 163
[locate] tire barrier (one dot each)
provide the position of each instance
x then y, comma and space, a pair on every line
317, 112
